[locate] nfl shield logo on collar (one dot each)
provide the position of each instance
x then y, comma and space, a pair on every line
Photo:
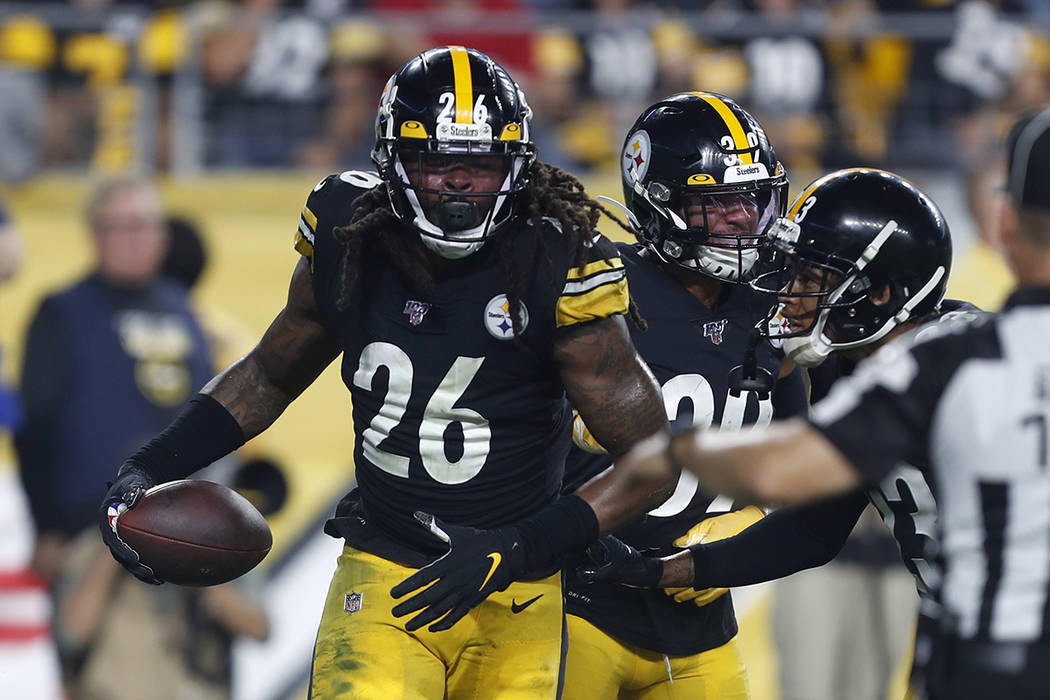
352, 602
713, 330
416, 310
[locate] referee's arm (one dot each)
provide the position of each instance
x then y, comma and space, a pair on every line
785, 462
869, 422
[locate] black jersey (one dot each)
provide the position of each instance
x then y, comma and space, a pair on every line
691, 349
452, 414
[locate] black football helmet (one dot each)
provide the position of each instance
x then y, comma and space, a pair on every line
453, 105
849, 236
702, 183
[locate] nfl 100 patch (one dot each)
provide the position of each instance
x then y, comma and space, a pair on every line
714, 330
416, 310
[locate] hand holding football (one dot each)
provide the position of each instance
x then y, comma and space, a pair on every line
195, 533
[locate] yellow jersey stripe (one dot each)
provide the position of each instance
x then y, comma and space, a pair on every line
464, 85
601, 302
310, 218
582, 437
590, 268
736, 129
585, 285
303, 246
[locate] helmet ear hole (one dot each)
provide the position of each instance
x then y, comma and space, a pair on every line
880, 296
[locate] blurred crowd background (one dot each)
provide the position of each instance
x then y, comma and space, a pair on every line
184, 87
234, 109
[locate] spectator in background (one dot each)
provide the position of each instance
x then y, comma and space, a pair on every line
185, 261
570, 133
787, 83
108, 361
10, 248
27, 46
593, 84
357, 69
264, 81
185, 257
28, 663
499, 28
175, 640
868, 77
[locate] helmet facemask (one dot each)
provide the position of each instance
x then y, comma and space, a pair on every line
717, 231
456, 195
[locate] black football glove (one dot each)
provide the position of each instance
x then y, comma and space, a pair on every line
610, 560
478, 563
124, 493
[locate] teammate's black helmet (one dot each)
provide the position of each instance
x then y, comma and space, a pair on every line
701, 152
851, 233
453, 101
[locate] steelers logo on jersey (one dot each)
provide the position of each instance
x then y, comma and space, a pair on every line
498, 320
635, 161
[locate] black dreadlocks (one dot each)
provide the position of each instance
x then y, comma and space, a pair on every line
552, 193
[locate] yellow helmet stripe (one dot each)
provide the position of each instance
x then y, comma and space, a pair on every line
464, 85
799, 200
808, 192
736, 129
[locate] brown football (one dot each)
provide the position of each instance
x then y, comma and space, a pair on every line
195, 533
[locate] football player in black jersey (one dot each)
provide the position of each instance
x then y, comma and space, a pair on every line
865, 257
468, 295
701, 185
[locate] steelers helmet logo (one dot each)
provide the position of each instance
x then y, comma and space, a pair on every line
635, 161
498, 320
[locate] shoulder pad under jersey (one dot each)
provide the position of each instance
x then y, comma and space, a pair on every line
330, 205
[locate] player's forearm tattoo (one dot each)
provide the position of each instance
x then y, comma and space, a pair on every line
609, 385
619, 400
292, 353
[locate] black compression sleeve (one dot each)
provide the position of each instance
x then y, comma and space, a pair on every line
203, 432
784, 542
564, 527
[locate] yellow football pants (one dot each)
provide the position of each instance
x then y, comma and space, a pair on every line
601, 667
510, 647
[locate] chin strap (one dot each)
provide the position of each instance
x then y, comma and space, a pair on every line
803, 352
749, 376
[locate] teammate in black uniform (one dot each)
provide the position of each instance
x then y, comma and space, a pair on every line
966, 401
702, 184
468, 295
865, 257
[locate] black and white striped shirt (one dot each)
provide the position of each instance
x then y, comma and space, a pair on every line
968, 402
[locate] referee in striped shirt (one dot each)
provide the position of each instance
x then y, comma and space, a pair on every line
968, 402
